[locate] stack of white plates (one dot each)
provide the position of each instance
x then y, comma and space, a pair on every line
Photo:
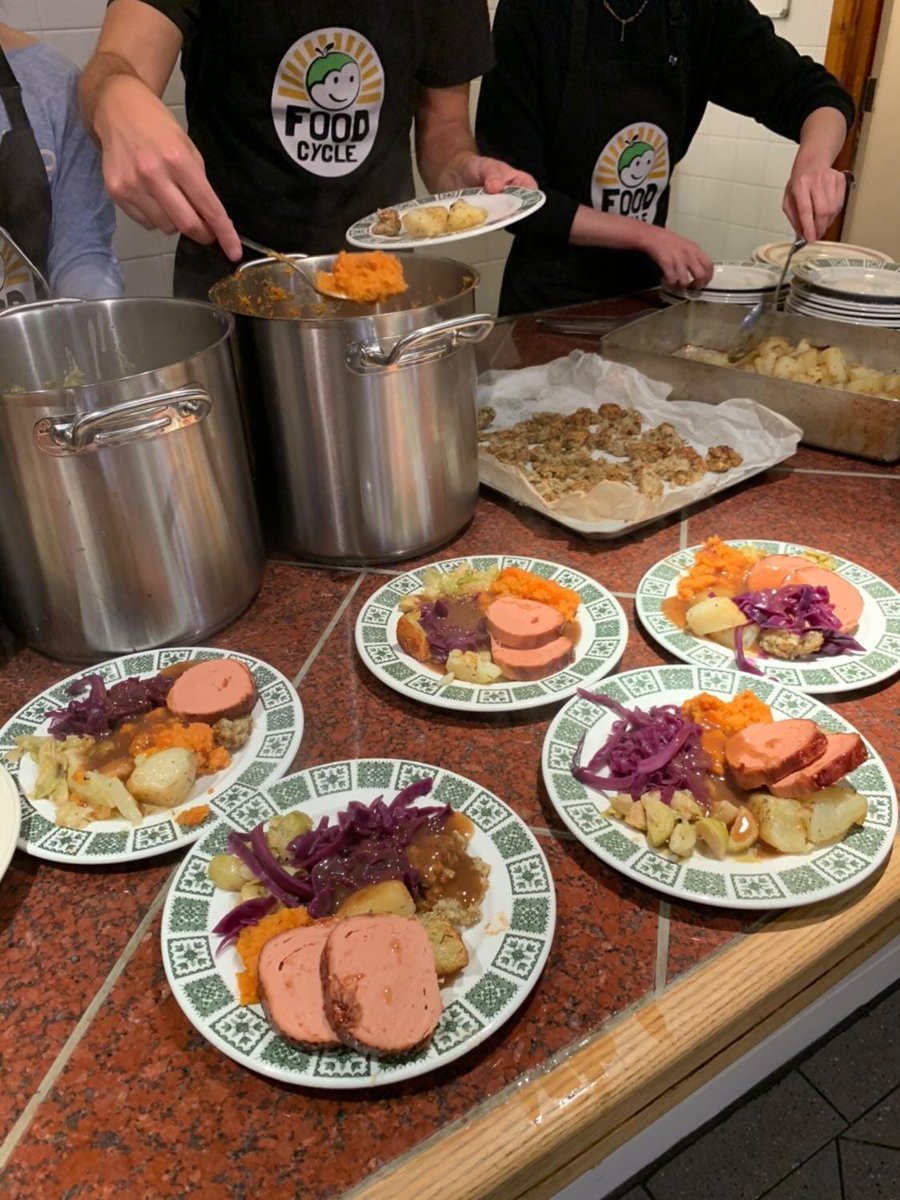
732, 283
859, 291
774, 253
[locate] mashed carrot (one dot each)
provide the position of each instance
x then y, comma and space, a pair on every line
251, 941
193, 816
719, 719
513, 581
367, 277
718, 568
196, 736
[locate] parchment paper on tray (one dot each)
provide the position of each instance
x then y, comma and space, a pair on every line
610, 508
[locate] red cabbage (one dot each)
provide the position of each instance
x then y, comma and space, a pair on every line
658, 750
245, 914
367, 844
444, 635
254, 853
104, 710
797, 608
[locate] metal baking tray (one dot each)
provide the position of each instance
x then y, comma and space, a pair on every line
864, 426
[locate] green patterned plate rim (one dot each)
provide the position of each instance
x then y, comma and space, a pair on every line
10, 818
504, 208
604, 632
783, 882
879, 627
277, 730
507, 949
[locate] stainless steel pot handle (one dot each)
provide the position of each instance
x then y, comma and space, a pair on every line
17, 308
128, 422
428, 344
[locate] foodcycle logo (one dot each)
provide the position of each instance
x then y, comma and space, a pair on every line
632, 172
326, 101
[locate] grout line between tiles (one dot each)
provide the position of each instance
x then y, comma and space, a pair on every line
544, 831
683, 534
842, 474
20, 1128
323, 566
662, 945
327, 631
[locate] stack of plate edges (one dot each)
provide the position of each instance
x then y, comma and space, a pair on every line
860, 291
732, 283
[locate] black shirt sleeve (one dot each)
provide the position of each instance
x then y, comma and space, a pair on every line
456, 42
183, 13
754, 72
519, 106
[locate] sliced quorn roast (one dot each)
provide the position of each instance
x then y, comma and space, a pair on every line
379, 983
208, 691
533, 664
768, 750
843, 753
522, 624
290, 985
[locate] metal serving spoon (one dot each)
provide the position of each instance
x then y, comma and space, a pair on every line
747, 333
289, 261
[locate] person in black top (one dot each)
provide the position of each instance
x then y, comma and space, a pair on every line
600, 100
298, 117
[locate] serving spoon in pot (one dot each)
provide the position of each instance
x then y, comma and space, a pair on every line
308, 276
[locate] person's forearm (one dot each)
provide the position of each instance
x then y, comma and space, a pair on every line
102, 69
821, 137
614, 232
444, 140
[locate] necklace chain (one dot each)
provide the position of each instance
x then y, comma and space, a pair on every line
623, 21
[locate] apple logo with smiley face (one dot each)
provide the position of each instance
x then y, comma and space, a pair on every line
333, 79
635, 163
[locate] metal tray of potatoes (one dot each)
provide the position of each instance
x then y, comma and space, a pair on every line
853, 423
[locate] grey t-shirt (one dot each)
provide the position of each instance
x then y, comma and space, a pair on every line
82, 262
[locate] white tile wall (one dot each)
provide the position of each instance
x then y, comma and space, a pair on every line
754, 163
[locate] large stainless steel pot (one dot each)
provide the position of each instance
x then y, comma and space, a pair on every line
127, 516
362, 417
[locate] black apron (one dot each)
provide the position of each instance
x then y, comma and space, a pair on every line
25, 205
283, 180
623, 111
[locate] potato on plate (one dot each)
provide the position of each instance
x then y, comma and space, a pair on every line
782, 822
833, 811
713, 614
389, 896
426, 222
164, 779
463, 215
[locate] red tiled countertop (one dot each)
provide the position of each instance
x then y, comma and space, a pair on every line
109, 1092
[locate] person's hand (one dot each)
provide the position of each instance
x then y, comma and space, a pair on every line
152, 169
813, 198
492, 174
683, 263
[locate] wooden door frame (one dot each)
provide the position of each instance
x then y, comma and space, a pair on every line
852, 40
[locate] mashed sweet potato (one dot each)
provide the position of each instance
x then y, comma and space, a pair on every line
366, 278
251, 941
513, 581
718, 568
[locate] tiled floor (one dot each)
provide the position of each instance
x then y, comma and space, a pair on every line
827, 1129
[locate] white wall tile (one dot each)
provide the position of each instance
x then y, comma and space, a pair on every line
743, 205
720, 159
71, 14
750, 162
779, 160
23, 14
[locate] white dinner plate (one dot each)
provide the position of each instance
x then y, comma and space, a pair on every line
742, 277
507, 949
810, 309
503, 208
604, 632
878, 632
782, 881
277, 730
10, 818
774, 253
857, 282
808, 292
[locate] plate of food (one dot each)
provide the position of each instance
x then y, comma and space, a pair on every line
802, 616
139, 755
404, 914
720, 788
10, 818
444, 217
491, 632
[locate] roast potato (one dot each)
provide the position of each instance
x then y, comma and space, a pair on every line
426, 222
448, 948
463, 215
713, 614
389, 896
833, 811
782, 822
164, 779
